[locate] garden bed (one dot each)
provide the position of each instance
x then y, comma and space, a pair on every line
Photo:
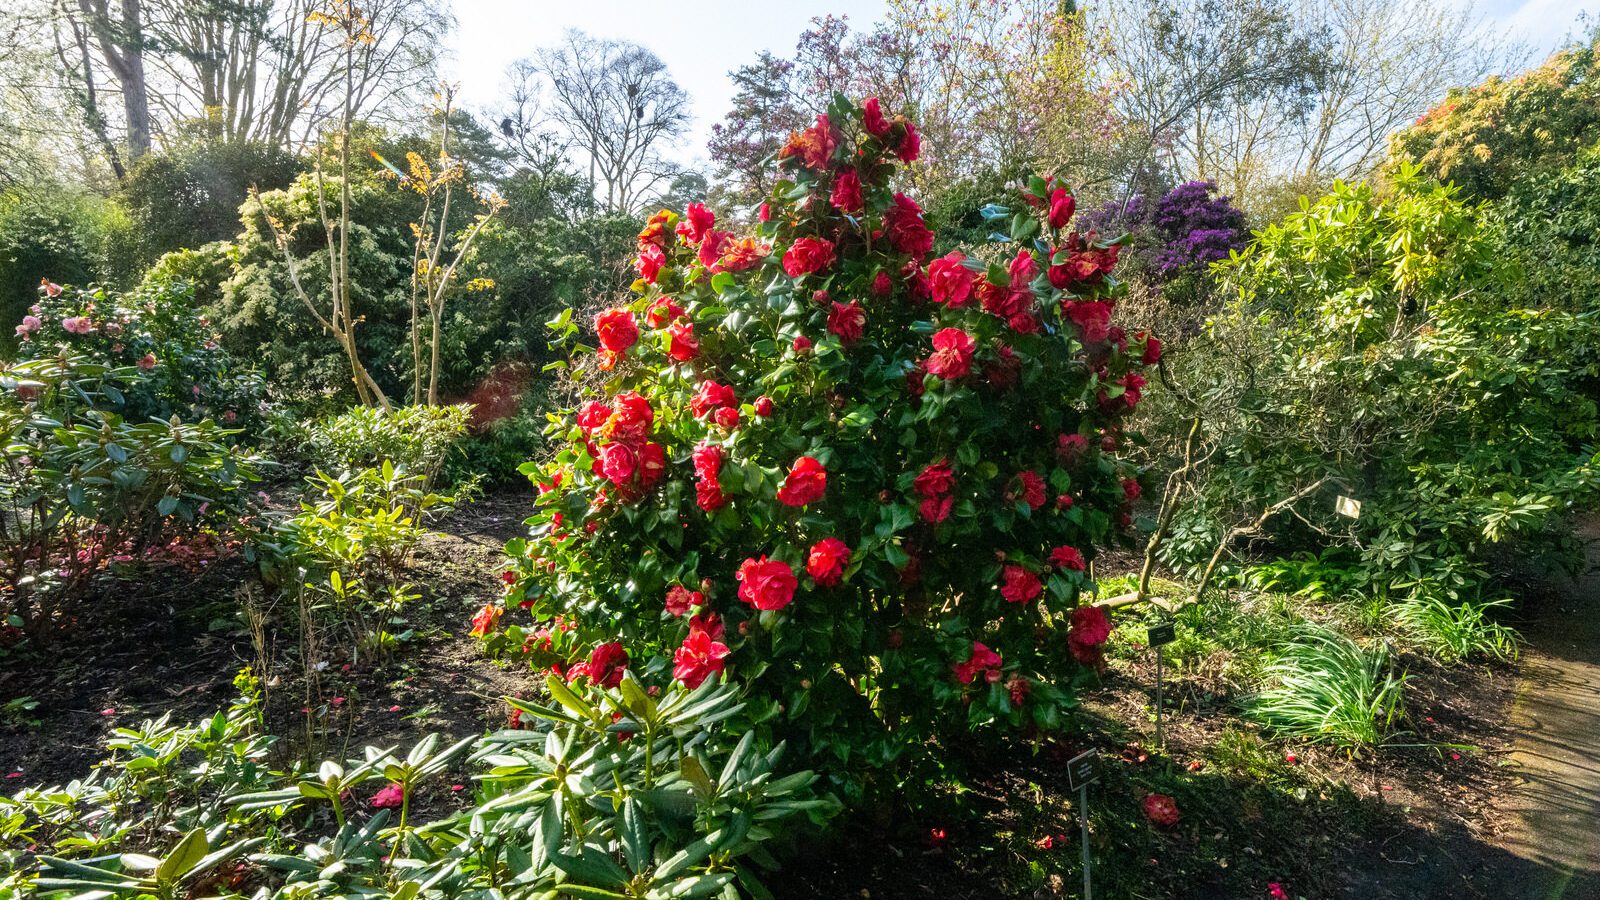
1413, 820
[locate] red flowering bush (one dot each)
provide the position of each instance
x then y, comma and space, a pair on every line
876, 481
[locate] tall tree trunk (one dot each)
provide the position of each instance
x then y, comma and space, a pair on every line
122, 45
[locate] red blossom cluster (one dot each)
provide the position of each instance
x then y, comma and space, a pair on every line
911, 420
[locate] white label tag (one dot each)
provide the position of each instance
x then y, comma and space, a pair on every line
1348, 507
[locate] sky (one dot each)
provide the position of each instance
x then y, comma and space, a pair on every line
702, 40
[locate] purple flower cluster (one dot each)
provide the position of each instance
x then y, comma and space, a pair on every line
1184, 231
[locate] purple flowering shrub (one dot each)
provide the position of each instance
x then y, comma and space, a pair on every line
1177, 238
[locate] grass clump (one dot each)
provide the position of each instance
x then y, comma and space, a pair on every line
1322, 686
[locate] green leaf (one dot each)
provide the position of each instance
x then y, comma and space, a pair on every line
183, 857
166, 505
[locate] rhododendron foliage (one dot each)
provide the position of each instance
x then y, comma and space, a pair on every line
865, 481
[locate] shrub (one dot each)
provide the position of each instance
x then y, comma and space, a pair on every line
189, 196
1175, 240
863, 474
84, 489
1322, 686
1488, 138
615, 793
1371, 353
59, 233
156, 331
347, 550
416, 439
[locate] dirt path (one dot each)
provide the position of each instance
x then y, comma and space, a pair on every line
1556, 715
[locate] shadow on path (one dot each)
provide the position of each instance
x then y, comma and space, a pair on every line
1556, 715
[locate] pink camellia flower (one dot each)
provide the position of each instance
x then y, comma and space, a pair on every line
50, 288
147, 362
1275, 891
30, 324
78, 325
390, 796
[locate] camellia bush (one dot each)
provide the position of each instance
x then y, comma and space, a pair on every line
864, 484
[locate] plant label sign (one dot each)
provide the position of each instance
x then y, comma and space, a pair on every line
1349, 507
1083, 770
1161, 635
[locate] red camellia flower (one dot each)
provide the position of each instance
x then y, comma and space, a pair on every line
766, 584
711, 249
763, 406
1130, 489
814, 146
1018, 585
1065, 557
882, 285
682, 345
1070, 448
650, 261
806, 483
606, 664
680, 599
707, 467
936, 480
935, 509
952, 354
710, 397
696, 224
741, 254
617, 329
1062, 206
801, 344
1161, 810
631, 419
980, 662
486, 620
1089, 629
662, 312
1093, 318
1152, 348
1029, 488
910, 145
699, 658
846, 195
950, 281
710, 623
618, 462
656, 232
825, 564
848, 321
592, 415
807, 255
1009, 302
905, 228
872, 117
727, 417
